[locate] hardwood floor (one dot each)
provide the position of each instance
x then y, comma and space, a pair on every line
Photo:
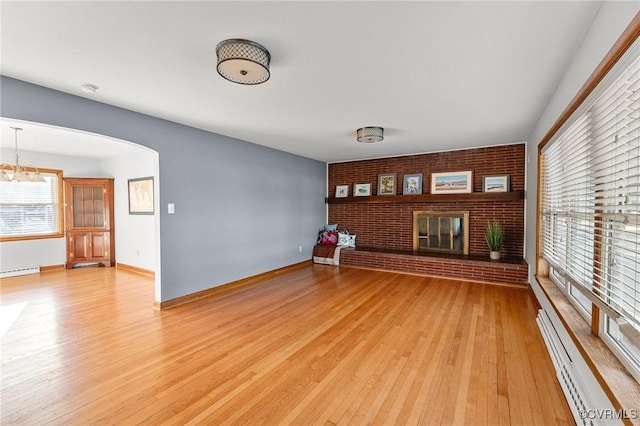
316, 345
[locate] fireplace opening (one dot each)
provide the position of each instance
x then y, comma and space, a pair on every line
441, 231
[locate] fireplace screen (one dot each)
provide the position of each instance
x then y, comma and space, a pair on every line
441, 231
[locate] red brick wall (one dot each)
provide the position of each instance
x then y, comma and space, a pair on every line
483, 271
390, 225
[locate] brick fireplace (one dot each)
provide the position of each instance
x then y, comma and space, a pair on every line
386, 228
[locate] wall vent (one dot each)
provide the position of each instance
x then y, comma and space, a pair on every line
25, 270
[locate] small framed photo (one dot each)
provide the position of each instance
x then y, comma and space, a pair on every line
412, 184
342, 191
387, 184
361, 189
451, 183
141, 195
496, 183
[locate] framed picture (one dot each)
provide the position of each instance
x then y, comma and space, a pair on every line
451, 183
361, 189
141, 195
387, 184
412, 184
342, 191
496, 183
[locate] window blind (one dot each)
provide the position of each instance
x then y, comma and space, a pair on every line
591, 195
616, 171
30, 208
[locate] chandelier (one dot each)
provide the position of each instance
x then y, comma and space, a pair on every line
19, 173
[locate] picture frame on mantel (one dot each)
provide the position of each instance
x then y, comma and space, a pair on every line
412, 184
141, 195
452, 182
362, 189
496, 183
387, 184
342, 191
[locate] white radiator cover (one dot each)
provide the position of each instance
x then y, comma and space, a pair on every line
588, 402
25, 270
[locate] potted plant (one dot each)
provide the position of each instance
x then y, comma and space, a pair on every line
494, 235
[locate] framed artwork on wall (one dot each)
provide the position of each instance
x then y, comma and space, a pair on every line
361, 189
141, 195
496, 183
342, 191
452, 182
387, 184
412, 184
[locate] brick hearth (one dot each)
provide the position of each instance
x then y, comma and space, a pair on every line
471, 268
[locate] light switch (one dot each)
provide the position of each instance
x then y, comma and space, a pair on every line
171, 208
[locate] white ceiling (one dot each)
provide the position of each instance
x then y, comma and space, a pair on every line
436, 75
38, 137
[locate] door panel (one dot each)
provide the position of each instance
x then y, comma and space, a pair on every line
99, 245
79, 244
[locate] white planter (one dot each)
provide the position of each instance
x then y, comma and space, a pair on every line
494, 255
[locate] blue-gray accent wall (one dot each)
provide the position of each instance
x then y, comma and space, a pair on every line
241, 208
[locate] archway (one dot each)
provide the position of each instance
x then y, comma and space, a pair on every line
84, 154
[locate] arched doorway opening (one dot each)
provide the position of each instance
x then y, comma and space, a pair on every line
84, 154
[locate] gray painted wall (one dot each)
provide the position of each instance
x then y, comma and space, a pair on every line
241, 209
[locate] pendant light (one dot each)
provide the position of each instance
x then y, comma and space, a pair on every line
18, 172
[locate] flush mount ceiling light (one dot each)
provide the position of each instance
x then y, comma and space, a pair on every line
243, 61
370, 134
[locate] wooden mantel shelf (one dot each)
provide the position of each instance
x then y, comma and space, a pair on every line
432, 198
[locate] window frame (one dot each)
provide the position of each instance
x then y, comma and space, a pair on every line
592, 132
601, 354
60, 232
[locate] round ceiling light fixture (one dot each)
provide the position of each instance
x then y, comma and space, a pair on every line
370, 134
88, 88
243, 61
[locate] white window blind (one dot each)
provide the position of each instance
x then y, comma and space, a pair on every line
591, 197
30, 208
616, 170
569, 203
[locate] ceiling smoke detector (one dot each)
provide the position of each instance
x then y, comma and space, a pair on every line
88, 88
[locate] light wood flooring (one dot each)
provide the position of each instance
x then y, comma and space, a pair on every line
314, 345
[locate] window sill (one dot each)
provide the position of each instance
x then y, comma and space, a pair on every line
621, 388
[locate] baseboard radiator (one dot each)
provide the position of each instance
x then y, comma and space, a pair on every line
25, 270
570, 382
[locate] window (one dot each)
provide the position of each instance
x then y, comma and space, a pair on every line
30, 210
590, 181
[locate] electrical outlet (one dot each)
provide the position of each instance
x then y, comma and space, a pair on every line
300, 249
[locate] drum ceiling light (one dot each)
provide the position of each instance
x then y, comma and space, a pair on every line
370, 134
243, 61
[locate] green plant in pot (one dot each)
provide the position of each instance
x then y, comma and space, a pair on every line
494, 234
